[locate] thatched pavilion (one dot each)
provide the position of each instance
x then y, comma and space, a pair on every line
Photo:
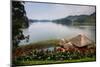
81, 41
78, 41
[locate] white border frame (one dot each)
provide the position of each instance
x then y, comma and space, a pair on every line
5, 33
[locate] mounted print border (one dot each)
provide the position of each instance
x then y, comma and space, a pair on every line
52, 33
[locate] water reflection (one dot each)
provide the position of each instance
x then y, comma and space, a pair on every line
40, 31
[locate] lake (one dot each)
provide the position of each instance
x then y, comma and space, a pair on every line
40, 31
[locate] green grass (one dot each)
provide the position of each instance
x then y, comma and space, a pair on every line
42, 44
37, 62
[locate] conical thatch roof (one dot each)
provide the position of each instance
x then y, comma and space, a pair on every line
80, 41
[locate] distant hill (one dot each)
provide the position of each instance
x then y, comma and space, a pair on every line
72, 20
78, 20
35, 20
85, 20
63, 21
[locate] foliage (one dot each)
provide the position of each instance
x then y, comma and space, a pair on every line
78, 20
63, 21
19, 18
56, 56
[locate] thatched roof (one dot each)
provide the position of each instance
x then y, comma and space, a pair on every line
68, 45
81, 40
62, 42
65, 43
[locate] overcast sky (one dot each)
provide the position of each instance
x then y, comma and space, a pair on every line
55, 11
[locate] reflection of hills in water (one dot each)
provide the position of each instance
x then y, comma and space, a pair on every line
49, 31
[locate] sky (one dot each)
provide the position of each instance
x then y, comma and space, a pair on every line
50, 11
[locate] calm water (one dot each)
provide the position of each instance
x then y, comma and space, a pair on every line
40, 31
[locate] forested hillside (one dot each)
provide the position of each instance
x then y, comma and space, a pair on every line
78, 20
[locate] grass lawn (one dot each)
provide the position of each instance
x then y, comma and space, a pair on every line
37, 62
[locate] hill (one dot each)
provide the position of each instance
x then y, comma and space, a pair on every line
77, 20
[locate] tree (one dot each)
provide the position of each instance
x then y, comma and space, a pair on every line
19, 18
